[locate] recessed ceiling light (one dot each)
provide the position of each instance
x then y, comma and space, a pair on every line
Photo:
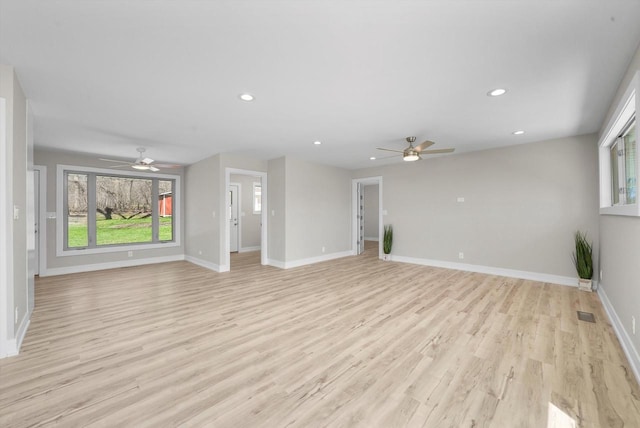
372, 158
518, 132
497, 92
246, 97
317, 143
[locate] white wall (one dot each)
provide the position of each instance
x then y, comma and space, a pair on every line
371, 206
249, 222
78, 263
521, 205
14, 281
619, 256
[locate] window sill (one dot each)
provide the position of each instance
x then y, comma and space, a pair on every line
115, 249
625, 210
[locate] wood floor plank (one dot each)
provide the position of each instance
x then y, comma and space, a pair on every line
354, 342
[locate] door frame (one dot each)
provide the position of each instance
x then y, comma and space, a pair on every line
354, 211
225, 265
239, 210
6, 247
42, 220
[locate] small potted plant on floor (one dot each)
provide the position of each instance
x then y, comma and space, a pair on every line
387, 242
583, 261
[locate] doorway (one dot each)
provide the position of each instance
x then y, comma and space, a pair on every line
249, 243
367, 215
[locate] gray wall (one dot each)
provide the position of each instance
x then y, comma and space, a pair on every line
51, 159
250, 222
318, 210
521, 205
371, 207
15, 229
202, 211
309, 208
620, 246
206, 194
277, 209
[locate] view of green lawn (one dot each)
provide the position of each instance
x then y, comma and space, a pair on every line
119, 231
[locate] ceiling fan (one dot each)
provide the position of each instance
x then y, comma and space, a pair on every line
141, 163
412, 153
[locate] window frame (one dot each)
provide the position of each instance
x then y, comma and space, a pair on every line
253, 194
625, 112
61, 224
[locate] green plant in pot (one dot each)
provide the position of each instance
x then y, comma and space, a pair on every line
583, 260
387, 241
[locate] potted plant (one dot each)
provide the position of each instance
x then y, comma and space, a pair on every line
583, 260
387, 241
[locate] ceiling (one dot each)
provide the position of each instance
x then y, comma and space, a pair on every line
105, 77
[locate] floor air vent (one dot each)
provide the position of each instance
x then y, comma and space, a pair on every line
586, 316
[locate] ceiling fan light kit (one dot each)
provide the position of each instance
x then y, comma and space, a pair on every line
410, 156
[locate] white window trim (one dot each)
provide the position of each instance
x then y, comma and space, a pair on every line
624, 112
61, 252
253, 197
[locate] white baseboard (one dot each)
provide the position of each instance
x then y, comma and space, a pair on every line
371, 238
625, 341
511, 273
276, 263
110, 265
249, 249
203, 263
13, 345
310, 260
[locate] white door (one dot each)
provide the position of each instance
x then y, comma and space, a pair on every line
360, 218
233, 217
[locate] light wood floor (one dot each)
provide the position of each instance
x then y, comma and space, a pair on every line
352, 342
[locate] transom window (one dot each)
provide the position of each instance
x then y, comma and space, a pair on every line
102, 210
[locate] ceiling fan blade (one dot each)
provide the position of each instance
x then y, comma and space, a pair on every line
390, 150
128, 165
113, 160
389, 157
166, 165
436, 151
424, 145
153, 168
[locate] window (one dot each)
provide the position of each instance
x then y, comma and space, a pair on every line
104, 210
257, 198
619, 163
623, 167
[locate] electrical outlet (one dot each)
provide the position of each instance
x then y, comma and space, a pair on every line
323, 249
461, 255
129, 253
600, 274
460, 199
16, 317
633, 324
199, 252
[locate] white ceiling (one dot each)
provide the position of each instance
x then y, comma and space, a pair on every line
105, 77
